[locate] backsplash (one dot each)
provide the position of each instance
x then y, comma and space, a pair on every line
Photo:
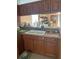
47, 20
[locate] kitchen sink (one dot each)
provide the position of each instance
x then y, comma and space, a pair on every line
35, 32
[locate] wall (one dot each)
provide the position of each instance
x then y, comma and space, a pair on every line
57, 24
25, 19
28, 19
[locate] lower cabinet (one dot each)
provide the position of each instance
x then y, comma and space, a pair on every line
51, 45
28, 43
20, 45
41, 45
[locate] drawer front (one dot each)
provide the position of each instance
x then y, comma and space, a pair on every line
52, 40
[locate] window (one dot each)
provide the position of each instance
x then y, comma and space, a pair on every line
34, 20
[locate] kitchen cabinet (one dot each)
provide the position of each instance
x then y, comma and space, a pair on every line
21, 10
41, 45
20, 44
46, 6
25, 9
28, 43
18, 10
40, 7
51, 46
55, 5
35, 7
29, 9
50, 6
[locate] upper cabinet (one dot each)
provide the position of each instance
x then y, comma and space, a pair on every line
40, 7
18, 10
46, 5
35, 7
55, 6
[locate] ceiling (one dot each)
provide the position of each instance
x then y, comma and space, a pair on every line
19, 2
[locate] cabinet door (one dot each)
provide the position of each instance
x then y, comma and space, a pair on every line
20, 44
29, 9
18, 10
46, 6
39, 45
35, 8
50, 46
41, 7
55, 5
21, 10
50, 49
28, 43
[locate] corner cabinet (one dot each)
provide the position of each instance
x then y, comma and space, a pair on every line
42, 45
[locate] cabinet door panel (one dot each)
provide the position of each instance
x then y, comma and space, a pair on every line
28, 43
46, 6
25, 44
39, 46
21, 12
20, 44
35, 8
50, 46
55, 5
50, 49
29, 9
41, 7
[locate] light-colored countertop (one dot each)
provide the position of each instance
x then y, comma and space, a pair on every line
45, 35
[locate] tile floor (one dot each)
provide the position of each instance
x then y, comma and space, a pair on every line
36, 56
26, 55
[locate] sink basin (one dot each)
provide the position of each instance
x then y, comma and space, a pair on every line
35, 32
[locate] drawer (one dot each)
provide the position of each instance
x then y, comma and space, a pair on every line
51, 45
53, 40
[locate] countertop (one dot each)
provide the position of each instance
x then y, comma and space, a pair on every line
53, 35
46, 34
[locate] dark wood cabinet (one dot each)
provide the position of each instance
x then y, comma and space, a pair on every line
21, 10
44, 6
18, 10
50, 46
55, 6
35, 7
41, 45
28, 43
20, 44
29, 9
41, 7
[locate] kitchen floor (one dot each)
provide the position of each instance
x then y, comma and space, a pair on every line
26, 55
36, 56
